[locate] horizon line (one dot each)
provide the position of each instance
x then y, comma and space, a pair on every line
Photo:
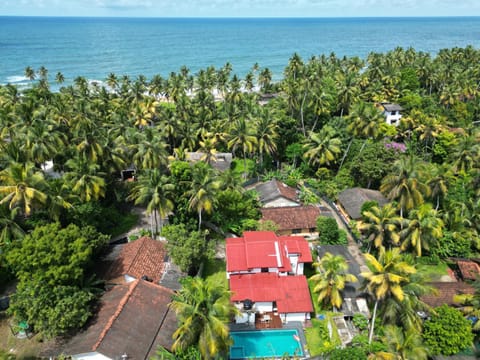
241, 17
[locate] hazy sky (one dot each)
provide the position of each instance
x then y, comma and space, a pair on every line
241, 8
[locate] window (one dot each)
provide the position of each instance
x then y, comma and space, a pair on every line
296, 231
264, 270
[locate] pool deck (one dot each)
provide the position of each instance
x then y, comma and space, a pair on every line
294, 325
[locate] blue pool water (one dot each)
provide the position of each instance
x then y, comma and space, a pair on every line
265, 343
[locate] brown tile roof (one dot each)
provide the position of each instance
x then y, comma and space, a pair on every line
469, 269
293, 217
274, 189
142, 257
132, 319
353, 199
446, 292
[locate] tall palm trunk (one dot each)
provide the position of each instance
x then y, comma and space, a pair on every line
372, 325
199, 219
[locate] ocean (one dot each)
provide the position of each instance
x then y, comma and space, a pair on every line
95, 47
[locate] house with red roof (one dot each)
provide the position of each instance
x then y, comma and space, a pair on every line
265, 273
264, 251
142, 258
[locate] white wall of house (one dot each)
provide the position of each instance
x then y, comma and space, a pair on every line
263, 306
288, 317
280, 202
90, 356
254, 271
392, 117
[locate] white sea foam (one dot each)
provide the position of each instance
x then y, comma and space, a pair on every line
17, 79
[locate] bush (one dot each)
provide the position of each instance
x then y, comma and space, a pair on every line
328, 232
447, 332
350, 353
360, 321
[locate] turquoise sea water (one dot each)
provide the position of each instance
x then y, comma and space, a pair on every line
94, 47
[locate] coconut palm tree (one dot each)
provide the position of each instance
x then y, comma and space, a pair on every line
242, 137
382, 225
331, 279
424, 228
85, 179
10, 230
204, 309
202, 190
404, 184
403, 345
153, 190
387, 276
266, 133
22, 187
322, 147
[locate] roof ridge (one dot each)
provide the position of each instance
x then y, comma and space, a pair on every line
112, 319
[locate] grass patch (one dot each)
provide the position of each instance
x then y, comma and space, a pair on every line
318, 338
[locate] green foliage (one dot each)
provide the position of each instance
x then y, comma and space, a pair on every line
234, 208
187, 248
52, 310
452, 244
351, 353
447, 332
55, 256
267, 225
372, 164
107, 220
360, 321
328, 232
191, 353
50, 264
368, 205
318, 338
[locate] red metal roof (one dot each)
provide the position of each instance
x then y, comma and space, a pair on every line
298, 245
291, 293
263, 249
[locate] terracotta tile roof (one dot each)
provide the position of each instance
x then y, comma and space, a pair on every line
291, 293
293, 217
263, 249
353, 199
132, 319
142, 257
469, 269
446, 292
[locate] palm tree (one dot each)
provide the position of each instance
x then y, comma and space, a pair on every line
242, 136
266, 133
202, 190
471, 304
10, 230
403, 345
85, 179
331, 280
154, 190
424, 228
382, 225
204, 309
22, 187
29, 73
386, 278
404, 184
322, 147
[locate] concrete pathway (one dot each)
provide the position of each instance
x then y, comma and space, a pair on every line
353, 247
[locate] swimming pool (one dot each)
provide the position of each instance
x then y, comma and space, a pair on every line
265, 343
